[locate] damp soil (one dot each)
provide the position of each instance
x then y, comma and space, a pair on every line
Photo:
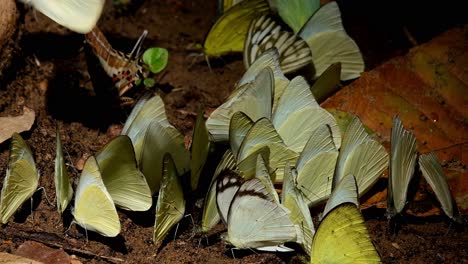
51, 76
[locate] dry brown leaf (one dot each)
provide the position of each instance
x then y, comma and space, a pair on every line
13, 259
18, 124
42, 253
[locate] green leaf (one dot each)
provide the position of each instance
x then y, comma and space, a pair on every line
156, 59
149, 82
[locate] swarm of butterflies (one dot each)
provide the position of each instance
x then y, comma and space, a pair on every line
278, 135
314, 35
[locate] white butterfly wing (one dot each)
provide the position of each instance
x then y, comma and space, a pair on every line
402, 164
298, 115
238, 128
330, 44
256, 220
226, 187
77, 15
344, 192
360, 156
63, 188
255, 99
434, 175
145, 111
210, 210
264, 34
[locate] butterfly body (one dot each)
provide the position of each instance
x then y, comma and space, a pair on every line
125, 71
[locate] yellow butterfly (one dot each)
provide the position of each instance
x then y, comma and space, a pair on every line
228, 33
342, 237
21, 178
94, 208
63, 188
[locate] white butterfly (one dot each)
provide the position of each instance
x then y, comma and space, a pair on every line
77, 15
402, 164
257, 220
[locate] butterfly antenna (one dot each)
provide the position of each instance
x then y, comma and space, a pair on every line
136, 49
45, 194
232, 253
175, 234
208, 62
72, 222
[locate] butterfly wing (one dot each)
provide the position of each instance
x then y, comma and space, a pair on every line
21, 178
146, 110
264, 34
171, 203
326, 37
316, 166
228, 33
344, 192
94, 208
226, 187
360, 156
121, 176
434, 175
210, 211
254, 99
77, 15
63, 188
200, 149
263, 134
293, 199
159, 140
238, 128
343, 228
298, 115
295, 13
402, 163
255, 219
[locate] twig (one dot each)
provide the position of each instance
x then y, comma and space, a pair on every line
52, 240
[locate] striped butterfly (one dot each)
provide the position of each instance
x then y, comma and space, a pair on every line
264, 33
126, 70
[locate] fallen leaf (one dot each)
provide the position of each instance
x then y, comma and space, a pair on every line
13, 259
42, 253
427, 89
18, 124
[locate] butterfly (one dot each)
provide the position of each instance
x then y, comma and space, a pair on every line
342, 237
255, 99
434, 175
210, 215
316, 165
199, 150
77, 15
126, 70
295, 13
94, 207
402, 164
256, 220
63, 188
21, 179
293, 199
361, 156
264, 33
170, 206
228, 33
152, 136
324, 34
121, 176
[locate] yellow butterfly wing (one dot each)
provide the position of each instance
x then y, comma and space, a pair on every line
94, 208
63, 188
21, 178
121, 176
342, 237
171, 203
230, 30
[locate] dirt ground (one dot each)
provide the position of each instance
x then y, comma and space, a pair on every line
51, 77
